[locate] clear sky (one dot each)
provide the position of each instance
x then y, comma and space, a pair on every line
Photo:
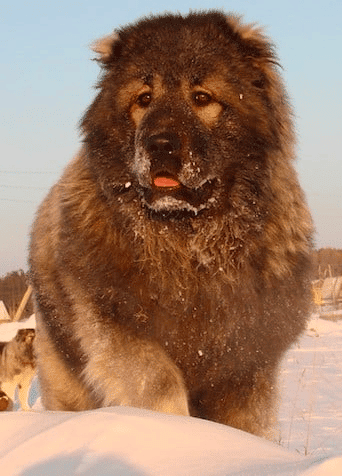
47, 79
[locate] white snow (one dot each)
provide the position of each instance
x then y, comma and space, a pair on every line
126, 441
8, 330
169, 203
311, 391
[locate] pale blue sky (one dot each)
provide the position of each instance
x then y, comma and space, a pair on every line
47, 80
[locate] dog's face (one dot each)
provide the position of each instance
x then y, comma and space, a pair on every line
183, 120
173, 160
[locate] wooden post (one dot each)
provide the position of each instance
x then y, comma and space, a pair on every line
23, 303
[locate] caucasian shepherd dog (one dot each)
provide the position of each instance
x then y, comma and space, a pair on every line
170, 262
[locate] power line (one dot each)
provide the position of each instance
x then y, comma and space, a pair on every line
27, 172
24, 186
16, 200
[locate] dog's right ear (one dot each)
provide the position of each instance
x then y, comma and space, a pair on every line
104, 47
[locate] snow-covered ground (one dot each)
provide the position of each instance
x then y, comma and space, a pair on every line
311, 391
124, 441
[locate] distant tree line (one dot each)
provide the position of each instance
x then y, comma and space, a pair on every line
12, 290
327, 262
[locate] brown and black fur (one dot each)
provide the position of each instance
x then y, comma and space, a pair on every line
182, 299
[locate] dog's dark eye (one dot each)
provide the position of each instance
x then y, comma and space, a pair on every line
144, 99
259, 83
202, 99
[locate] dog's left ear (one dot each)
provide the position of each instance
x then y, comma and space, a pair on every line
257, 49
252, 38
104, 47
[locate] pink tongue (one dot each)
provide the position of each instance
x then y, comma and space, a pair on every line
165, 182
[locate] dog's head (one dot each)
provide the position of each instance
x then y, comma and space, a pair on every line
186, 115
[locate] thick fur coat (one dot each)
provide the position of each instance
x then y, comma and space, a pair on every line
170, 263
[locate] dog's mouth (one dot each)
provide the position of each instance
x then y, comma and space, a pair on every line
168, 197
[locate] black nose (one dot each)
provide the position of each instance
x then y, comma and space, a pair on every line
165, 142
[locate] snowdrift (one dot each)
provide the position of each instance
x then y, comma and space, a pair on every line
126, 441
